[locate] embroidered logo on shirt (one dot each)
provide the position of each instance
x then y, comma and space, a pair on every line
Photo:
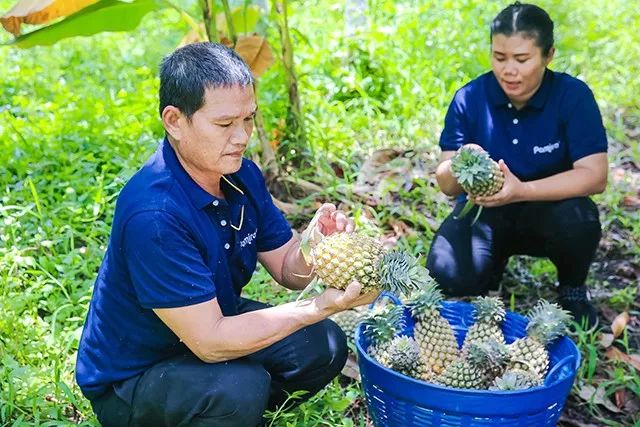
248, 239
547, 148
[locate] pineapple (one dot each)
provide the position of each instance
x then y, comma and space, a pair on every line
547, 322
477, 174
489, 314
404, 357
477, 370
343, 257
516, 379
432, 332
381, 325
348, 320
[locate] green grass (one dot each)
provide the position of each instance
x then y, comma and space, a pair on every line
77, 119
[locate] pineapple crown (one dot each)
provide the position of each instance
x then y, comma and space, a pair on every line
401, 274
426, 300
471, 166
547, 321
488, 352
515, 379
404, 352
382, 323
489, 310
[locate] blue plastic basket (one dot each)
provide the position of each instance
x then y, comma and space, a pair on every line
397, 400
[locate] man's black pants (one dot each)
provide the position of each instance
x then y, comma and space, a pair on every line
469, 260
184, 391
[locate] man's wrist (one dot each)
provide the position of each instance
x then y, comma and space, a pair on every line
316, 310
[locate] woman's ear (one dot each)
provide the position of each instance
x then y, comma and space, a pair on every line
173, 120
549, 57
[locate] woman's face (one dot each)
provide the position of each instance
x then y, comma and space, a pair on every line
519, 65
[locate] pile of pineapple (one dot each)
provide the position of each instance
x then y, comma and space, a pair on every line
485, 361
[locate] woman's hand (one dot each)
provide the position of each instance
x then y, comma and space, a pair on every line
512, 191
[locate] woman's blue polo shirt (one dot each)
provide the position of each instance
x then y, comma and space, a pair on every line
560, 124
172, 244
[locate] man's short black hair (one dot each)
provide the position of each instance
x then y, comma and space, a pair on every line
526, 18
186, 73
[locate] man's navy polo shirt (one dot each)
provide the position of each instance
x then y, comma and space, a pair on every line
560, 124
172, 244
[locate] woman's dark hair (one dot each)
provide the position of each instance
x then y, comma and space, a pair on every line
529, 19
186, 73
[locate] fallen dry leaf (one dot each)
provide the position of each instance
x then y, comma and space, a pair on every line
351, 368
620, 397
617, 175
614, 353
633, 405
619, 323
591, 394
576, 423
606, 340
630, 202
39, 12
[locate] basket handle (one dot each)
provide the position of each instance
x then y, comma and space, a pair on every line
556, 369
386, 294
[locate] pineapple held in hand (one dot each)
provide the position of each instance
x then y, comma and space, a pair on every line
477, 174
344, 257
489, 315
547, 322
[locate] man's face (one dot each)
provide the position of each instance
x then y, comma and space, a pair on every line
518, 65
213, 142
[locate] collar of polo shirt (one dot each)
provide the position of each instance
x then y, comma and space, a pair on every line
201, 198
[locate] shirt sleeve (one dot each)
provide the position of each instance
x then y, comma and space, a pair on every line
585, 132
456, 129
164, 263
273, 228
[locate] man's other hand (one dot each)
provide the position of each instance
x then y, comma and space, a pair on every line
333, 300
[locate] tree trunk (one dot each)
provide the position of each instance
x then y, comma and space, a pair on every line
293, 147
208, 16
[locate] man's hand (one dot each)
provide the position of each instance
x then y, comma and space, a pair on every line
512, 190
333, 300
329, 220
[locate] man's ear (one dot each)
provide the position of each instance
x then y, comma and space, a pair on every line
173, 120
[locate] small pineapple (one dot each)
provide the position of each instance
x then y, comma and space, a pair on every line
489, 314
483, 362
516, 379
547, 322
404, 357
432, 332
348, 320
342, 257
477, 174
381, 324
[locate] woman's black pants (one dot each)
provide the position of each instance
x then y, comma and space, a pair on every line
470, 259
185, 391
